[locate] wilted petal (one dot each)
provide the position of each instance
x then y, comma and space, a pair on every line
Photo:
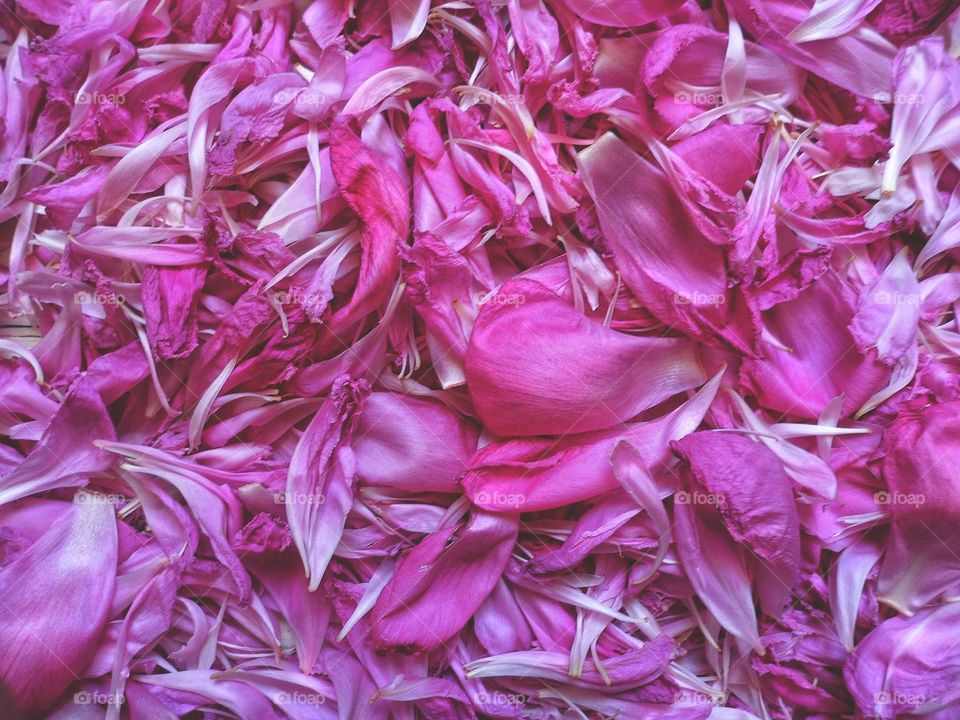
319, 490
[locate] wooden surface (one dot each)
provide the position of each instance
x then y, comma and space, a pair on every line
21, 331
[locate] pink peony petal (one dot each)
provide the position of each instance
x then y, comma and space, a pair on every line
49, 641
570, 375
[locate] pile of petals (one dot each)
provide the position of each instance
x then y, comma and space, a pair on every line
456, 359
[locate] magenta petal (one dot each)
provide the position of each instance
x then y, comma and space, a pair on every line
755, 499
716, 566
319, 491
858, 62
535, 474
535, 366
66, 454
170, 305
376, 193
622, 13
661, 245
818, 360
907, 666
514, 359
427, 602
48, 641
922, 490
889, 312
410, 443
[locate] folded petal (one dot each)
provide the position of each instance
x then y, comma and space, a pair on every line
923, 496
755, 499
412, 444
536, 366
530, 474
55, 601
716, 566
926, 109
860, 61
320, 480
377, 194
908, 666
847, 586
632, 668
817, 358
439, 583
888, 312
831, 18
660, 247
66, 454
408, 18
